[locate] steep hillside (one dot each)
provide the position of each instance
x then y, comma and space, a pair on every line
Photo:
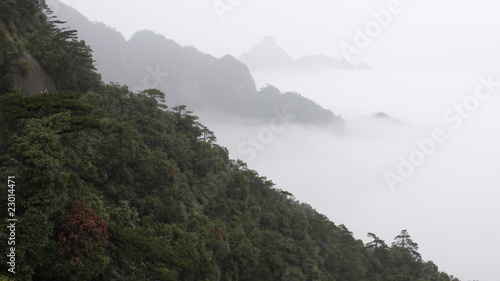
33, 80
36, 53
113, 186
108, 184
19, 69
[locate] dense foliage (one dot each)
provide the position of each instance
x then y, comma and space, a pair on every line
29, 26
114, 185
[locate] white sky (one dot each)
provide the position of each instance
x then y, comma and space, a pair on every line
426, 34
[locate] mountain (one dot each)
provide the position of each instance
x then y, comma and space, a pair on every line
267, 55
381, 116
187, 76
108, 184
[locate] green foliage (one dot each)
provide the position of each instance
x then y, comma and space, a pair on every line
114, 185
29, 26
405, 243
8, 54
177, 208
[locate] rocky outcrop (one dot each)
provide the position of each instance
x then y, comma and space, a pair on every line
33, 79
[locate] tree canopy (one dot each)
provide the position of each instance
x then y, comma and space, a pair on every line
115, 185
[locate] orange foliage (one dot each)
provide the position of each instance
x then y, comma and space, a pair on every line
218, 232
171, 170
82, 232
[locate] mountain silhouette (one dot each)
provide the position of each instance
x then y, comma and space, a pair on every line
268, 55
187, 76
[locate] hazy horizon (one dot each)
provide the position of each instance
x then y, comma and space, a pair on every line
423, 35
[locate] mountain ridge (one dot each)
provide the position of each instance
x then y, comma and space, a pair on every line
186, 75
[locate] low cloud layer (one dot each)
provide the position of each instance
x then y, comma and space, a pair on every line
447, 203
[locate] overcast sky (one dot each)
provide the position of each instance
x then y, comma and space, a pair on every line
423, 33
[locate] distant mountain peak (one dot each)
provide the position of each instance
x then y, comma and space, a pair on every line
381, 116
268, 41
268, 55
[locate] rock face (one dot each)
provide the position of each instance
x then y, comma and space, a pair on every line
34, 80
31, 80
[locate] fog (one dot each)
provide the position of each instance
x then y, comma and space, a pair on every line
449, 204
425, 34
433, 71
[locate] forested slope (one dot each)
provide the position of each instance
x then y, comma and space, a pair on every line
114, 185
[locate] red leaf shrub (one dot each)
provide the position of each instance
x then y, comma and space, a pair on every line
82, 232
